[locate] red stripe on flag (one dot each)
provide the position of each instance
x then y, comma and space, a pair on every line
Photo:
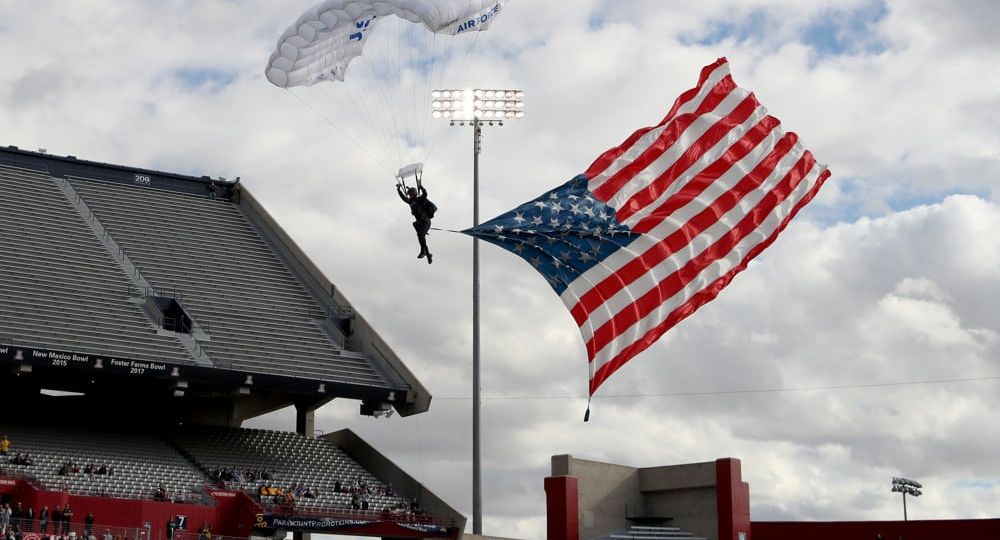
653, 256
709, 175
693, 153
675, 282
607, 158
670, 134
699, 299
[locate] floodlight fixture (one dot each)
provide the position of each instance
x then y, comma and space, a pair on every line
477, 104
906, 487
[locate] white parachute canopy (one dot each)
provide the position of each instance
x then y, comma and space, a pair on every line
368, 67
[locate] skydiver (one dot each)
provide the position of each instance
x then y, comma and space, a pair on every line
422, 210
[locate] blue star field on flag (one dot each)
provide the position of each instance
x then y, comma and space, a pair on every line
562, 233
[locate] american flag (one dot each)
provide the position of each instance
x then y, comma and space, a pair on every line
659, 225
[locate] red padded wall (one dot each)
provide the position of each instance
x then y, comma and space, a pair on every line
562, 506
732, 500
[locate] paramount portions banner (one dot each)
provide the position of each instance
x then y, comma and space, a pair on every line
346, 525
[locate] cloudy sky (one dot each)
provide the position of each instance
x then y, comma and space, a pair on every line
864, 344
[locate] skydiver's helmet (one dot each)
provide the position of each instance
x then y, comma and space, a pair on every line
411, 192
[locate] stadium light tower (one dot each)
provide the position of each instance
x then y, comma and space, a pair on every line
476, 107
906, 487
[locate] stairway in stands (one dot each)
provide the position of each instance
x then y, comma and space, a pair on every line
645, 532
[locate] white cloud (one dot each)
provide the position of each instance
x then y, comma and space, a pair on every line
883, 279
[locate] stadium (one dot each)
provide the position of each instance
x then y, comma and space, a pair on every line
144, 316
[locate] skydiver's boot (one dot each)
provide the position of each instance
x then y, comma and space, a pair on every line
430, 258
423, 247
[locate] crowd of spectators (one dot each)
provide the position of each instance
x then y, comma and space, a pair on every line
17, 459
362, 493
21, 459
71, 467
233, 474
57, 524
268, 492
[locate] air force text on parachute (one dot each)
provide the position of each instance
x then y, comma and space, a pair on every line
482, 20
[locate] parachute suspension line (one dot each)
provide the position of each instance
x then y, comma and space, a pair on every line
432, 81
383, 109
341, 106
375, 104
419, 105
359, 95
340, 129
399, 96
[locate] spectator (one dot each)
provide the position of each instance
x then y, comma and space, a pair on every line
107, 535
29, 519
205, 533
161, 493
15, 516
171, 527
88, 524
5, 517
337, 488
103, 469
67, 519
4, 445
43, 521
57, 520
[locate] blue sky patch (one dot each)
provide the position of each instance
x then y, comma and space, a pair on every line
198, 78
846, 31
753, 27
979, 484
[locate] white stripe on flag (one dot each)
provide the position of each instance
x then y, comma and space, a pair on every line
614, 262
711, 273
705, 160
640, 145
627, 295
670, 156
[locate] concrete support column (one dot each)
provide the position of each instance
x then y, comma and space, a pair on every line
305, 421
305, 424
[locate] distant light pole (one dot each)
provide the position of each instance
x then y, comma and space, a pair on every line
477, 107
906, 487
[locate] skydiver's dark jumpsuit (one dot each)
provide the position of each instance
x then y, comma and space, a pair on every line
422, 210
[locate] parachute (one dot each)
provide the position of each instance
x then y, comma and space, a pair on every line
370, 66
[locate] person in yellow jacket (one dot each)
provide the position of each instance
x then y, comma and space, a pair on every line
4, 445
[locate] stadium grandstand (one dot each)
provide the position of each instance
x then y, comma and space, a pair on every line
144, 317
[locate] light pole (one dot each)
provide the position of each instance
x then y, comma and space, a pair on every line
477, 107
906, 487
